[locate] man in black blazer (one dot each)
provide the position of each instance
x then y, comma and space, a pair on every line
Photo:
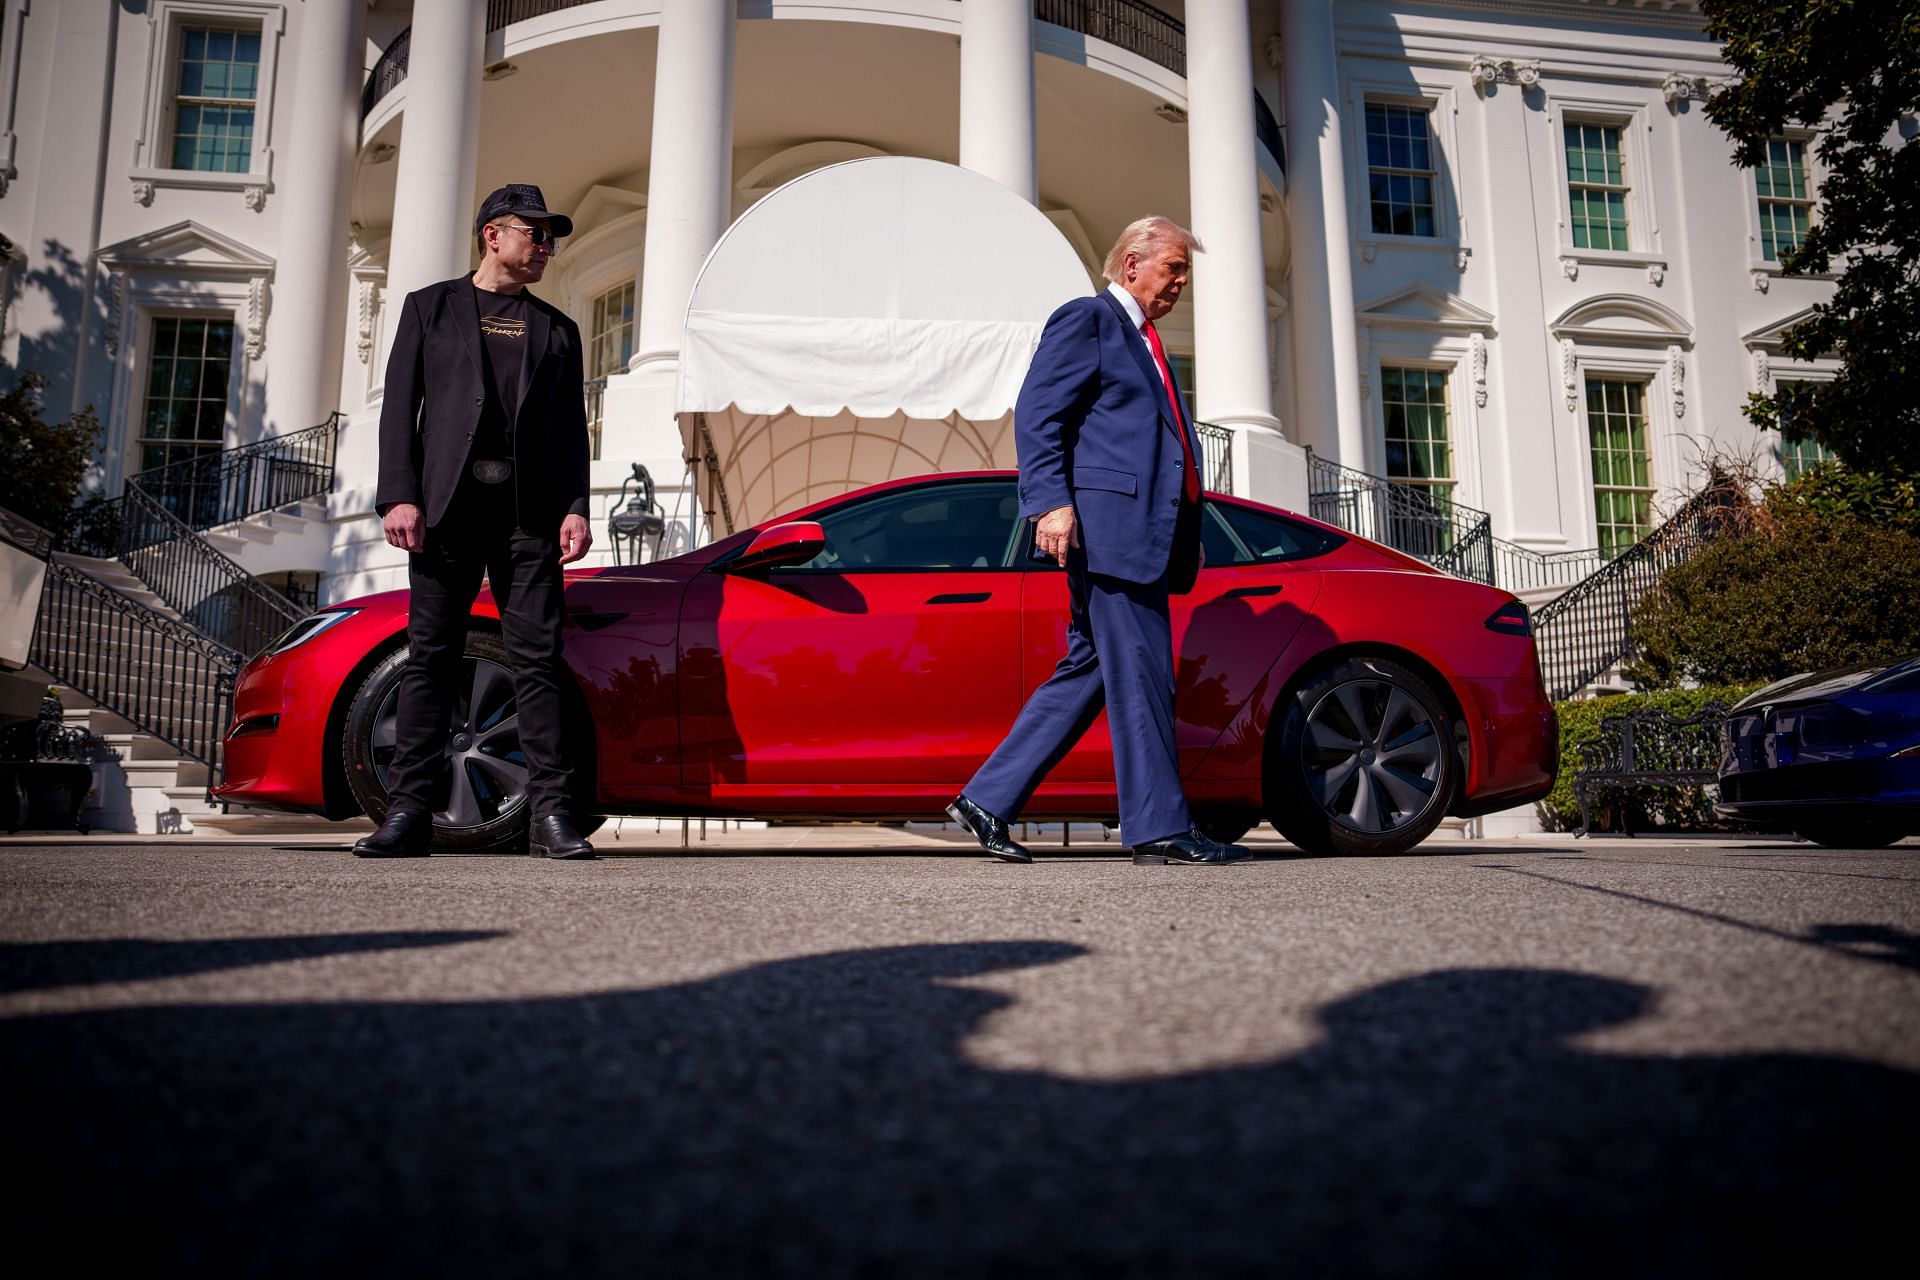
483, 469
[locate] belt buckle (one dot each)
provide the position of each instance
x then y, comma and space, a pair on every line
491, 470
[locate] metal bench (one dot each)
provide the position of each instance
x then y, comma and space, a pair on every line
1650, 748
40, 757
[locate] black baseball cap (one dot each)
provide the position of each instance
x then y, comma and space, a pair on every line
523, 199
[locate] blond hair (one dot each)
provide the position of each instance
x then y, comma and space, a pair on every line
1140, 236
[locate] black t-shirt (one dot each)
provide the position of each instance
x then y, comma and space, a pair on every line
504, 323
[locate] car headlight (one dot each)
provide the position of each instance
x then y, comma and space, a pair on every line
309, 627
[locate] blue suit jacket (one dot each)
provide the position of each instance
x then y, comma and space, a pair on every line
1094, 429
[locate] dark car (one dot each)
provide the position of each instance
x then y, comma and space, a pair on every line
1832, 755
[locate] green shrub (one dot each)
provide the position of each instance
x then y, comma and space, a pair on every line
1804, 587
43, 462
1672, 808
1833, 490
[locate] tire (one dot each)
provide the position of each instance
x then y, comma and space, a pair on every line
1365, 762
486, 809
1852, 833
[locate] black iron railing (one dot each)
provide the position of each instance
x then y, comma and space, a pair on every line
1520, 568
1588, 628
1216, 456
217, 488
153, 671
215, 595
1419, 520
1133, 25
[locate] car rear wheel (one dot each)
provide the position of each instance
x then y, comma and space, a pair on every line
1859, 833
483, 805
1365, 762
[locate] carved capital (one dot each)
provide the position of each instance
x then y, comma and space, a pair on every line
1678, 87
1486, 70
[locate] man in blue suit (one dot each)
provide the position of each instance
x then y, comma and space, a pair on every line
1109, 474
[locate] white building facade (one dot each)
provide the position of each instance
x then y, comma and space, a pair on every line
1492, 248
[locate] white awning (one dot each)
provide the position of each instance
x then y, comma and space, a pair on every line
868, 320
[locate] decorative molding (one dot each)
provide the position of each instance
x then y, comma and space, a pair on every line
1570, 268
258, 298
1569, 371
255, 196
1365, 350
1622, 319
1477, 362
1460, 256
1762, 371
1422, 306
1762, 281
11, 268
1276, 52
1677, 379
1656, 273
1679, 86
142, 191
1368, 249
116, 311
1486, 70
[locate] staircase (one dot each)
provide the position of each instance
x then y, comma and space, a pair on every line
1582, 603
148, 626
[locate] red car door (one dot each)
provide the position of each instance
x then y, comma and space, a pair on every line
891, 657
1252, 597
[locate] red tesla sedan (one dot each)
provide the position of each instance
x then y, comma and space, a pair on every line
859, 659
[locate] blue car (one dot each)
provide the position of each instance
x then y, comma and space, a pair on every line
1832, 755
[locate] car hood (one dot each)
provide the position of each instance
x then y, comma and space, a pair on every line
1811, 686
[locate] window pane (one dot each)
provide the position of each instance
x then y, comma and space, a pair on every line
952, 526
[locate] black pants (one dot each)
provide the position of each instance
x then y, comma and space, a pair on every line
477, 536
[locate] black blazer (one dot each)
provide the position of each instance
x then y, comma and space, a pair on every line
437, 388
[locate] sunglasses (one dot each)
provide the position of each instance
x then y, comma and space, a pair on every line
539, 235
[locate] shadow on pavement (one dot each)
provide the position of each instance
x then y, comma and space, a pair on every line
33, 966
821, 1116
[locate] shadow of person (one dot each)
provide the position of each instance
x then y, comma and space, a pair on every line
823, 1116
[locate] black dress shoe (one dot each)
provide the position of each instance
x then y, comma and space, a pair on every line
988, 830
554, 837
406, 833
1190, 848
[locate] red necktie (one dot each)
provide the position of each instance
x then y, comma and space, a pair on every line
1173, 401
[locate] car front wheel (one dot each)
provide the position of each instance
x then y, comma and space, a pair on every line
482, 790
1365, 762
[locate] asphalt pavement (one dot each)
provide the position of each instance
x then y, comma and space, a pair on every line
881, 1054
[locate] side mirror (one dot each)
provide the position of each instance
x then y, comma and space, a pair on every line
781, 544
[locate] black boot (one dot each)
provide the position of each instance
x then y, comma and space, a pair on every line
988, 830
406, 833
554, 837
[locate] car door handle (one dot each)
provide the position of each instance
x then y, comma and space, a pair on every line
1238, 593
961, 597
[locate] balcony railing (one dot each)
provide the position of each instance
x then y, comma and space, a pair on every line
1420, 521
217, 488
1216, 456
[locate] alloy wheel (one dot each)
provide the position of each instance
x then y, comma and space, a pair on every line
1373, 755
486, 768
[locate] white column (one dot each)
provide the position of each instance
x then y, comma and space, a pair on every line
689, 186
307, 329
996, 93
434, 199
1325, 346
1234, 376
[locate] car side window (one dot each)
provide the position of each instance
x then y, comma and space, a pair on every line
962, 525
1269, 536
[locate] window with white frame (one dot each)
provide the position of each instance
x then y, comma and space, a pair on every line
185, 407
1401, 173
216, 89
1785, 198
1799, 452
1622, 462
1419, 449
609, 347
1597, 186
1183, 373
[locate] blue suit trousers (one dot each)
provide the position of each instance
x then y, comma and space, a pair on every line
1119, 656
